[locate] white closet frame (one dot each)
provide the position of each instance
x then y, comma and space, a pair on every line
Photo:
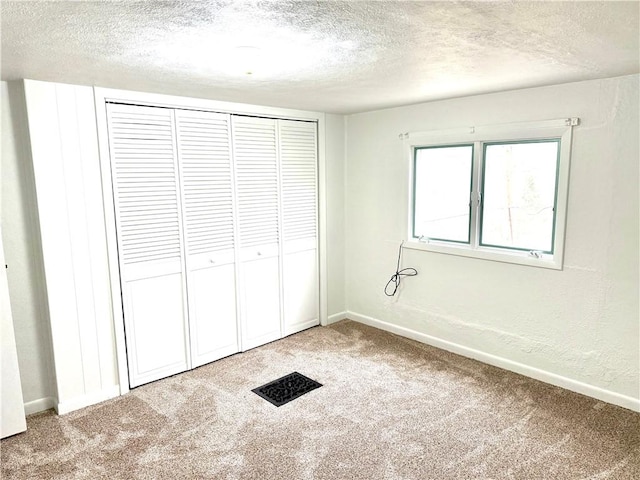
105, 95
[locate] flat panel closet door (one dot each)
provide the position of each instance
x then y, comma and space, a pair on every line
257, 191
204, 152
148, 223
298, 163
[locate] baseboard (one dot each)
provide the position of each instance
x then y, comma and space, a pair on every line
39, 405
526, 370
87, 400
336, 317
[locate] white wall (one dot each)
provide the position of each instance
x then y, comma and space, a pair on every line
577, 327
335, 178
21, 238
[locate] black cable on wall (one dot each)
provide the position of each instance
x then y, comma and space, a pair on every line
397, 277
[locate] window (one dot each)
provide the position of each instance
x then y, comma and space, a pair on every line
497, 193
519, 185
442, 183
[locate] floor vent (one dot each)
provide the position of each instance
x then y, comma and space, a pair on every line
286, 388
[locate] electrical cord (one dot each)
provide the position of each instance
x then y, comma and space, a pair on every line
397, 277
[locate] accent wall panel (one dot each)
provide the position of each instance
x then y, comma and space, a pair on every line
63, 147
149, 229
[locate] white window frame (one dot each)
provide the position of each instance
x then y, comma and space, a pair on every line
560, 129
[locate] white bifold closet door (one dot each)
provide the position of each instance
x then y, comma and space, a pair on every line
206, 170
145, 178
298, 166
216, 221
255, 153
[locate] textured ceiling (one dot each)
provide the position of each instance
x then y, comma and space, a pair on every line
340, 57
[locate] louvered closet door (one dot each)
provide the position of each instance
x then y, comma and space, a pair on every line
148, 222
298, 163
204, 151
257, 186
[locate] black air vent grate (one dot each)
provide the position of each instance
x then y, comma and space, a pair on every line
286, 388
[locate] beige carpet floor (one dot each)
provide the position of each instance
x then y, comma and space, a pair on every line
390, 408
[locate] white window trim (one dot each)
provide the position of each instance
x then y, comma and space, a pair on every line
560, 128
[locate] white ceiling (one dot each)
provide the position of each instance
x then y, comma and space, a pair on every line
339, 57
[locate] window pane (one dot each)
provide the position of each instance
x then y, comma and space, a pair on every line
442, 192
519, 191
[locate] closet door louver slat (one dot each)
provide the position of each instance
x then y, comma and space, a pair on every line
298, 163
256, 163
144, 164
205, 162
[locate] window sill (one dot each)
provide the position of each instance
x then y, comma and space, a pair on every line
484, 253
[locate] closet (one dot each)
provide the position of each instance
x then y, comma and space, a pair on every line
216, 221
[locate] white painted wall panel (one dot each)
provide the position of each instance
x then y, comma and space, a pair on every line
96, 239
46, 148
62, 143
72, 164
580, 323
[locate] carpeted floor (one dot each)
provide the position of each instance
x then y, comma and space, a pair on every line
390, 408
